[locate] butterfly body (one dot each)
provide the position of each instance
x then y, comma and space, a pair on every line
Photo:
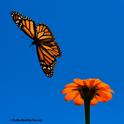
36, 42
46, 47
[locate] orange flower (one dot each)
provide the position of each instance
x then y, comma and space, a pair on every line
93, 89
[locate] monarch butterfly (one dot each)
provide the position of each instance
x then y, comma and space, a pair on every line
46, 47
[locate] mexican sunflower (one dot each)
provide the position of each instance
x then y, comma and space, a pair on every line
87, 92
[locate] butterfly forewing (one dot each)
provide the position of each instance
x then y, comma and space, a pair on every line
47, 40
27, 25
43, 32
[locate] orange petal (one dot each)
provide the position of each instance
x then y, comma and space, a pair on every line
94, 101
103, 85
78, 81
98, 98
71, 85
105, 96
91, 82
78, 100
67, 90
71, 95
86, 82
94, 82
106, 89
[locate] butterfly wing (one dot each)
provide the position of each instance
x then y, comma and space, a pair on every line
43, 32
47, 61
27, 25
47, 40
48, 49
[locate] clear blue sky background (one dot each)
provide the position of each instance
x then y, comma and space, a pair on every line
90, 34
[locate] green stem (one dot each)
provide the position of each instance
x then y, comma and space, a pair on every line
87, 110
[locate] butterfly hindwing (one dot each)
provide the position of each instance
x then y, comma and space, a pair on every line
27, 25
47, 61
52, 48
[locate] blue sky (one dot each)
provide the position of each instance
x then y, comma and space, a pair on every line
91, 37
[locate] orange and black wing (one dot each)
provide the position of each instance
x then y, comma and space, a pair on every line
47, 40
27, 25
48, 49
47, 61
43, 32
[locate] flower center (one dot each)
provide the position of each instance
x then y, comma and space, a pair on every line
87, 93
